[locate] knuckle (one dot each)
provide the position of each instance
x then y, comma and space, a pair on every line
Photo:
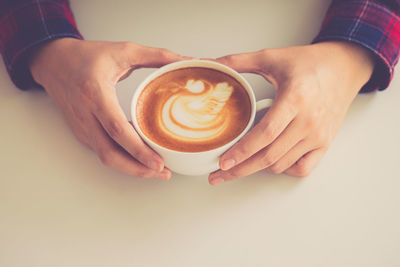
275, 169
144, 173
311, 123
235, 173
303, 173
228, 60
81, 138
302, 169
126, 46
139, 154
299, 97
162, 52
265, 52
165, 52
268, 130
115, 129
264, 55
315, 118
321, 138
241, 151
106, 156
268, 160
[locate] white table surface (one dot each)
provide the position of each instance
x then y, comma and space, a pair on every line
60, 207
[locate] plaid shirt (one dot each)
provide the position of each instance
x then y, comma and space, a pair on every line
26, 24
373, 24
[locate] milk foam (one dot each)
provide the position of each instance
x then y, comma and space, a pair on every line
196, 113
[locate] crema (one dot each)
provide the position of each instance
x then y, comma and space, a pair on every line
193, 109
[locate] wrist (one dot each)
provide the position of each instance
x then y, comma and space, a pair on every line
41, 57
354, 62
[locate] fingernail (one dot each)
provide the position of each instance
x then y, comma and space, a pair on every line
227, 164
217, 181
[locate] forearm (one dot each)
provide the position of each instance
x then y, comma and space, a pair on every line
374, 25
25, 25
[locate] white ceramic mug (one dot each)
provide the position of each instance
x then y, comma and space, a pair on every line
204, 162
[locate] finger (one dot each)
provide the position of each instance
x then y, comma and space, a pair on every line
244, 62
113, 156
264, 133
75, 123
264, 158
291, 157
306, 164
114, 122
76, 126
155, 57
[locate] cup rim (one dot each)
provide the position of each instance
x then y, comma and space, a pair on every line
189, 64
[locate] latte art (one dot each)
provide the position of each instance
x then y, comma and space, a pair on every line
193, 109
196, 112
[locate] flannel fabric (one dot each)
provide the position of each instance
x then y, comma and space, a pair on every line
26, 24
373, 24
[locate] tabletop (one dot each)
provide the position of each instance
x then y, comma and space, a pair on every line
59, 206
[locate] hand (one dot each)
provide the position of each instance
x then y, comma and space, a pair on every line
80, 76
315, 86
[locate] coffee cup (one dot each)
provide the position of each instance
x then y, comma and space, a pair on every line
191, 144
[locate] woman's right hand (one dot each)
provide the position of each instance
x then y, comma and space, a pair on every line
80, 76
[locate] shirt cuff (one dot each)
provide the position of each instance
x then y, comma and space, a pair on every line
371, 25
28, 27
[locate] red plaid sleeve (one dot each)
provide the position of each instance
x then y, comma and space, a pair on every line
25, 24
373, 24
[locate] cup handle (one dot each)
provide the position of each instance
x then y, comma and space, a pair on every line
263, 104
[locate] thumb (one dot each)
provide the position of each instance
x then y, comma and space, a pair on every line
244, 62
155, 57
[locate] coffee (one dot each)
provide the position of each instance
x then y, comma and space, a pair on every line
193, 109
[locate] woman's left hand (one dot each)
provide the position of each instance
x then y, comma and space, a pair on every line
315, 85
